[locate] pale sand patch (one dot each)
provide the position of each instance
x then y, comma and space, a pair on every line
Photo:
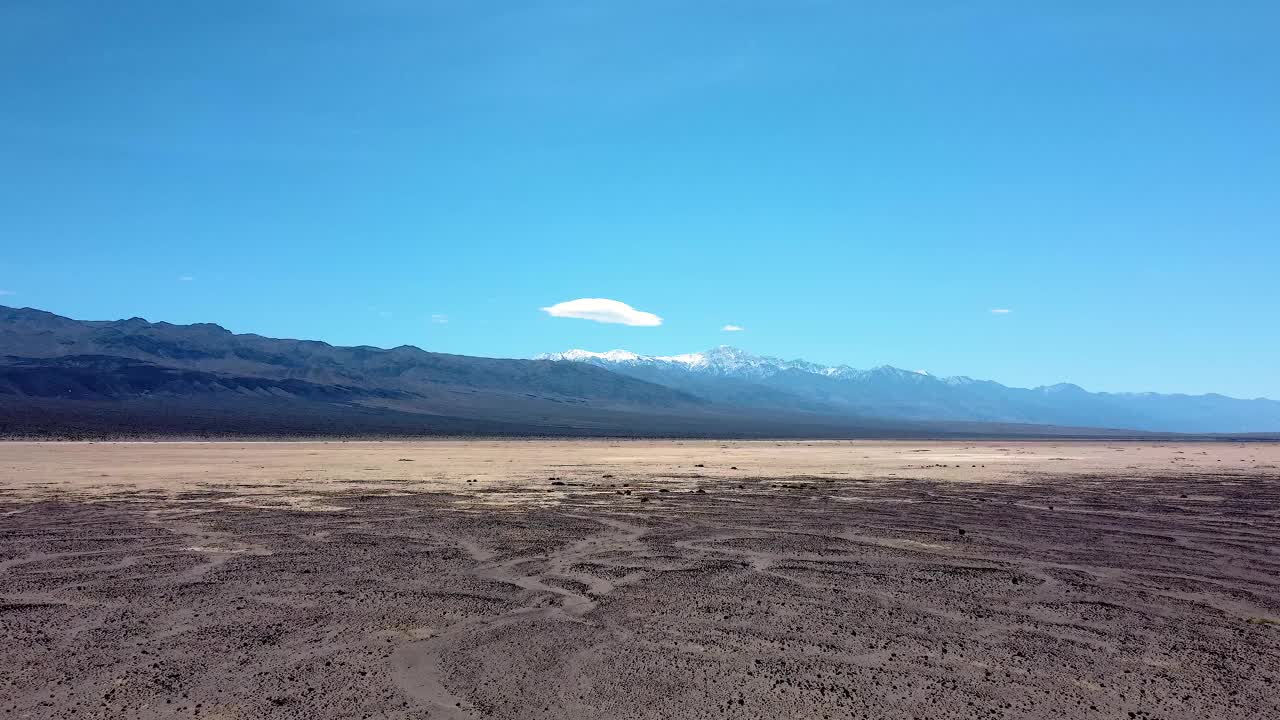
506, 470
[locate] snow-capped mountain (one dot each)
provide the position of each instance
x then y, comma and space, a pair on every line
729, 375
731, 362
724, 360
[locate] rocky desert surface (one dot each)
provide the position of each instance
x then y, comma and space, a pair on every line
640, 579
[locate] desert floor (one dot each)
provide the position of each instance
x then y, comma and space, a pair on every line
640, 579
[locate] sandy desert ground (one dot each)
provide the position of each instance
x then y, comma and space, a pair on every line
640, 579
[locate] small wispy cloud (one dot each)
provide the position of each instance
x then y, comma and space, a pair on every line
186, 278
732, 328
603, 310
7, 292
384, 313
439, 318
1001, 311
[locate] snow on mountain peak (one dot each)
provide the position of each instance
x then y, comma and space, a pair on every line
623, 356
584, 355
725, 360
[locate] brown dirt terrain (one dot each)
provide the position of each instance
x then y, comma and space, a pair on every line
640, 579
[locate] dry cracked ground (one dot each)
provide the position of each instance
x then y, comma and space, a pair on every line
576, 579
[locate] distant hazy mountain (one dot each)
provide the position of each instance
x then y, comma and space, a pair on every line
726, 374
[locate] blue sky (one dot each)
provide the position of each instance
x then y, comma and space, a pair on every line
855, 183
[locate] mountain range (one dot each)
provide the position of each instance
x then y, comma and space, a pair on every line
61, 377
726, 374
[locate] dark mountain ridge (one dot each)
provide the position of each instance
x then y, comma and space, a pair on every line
27, 333
102, 377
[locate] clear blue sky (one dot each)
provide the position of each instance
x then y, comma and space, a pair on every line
856, 182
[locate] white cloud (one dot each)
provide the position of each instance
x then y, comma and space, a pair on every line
439, 318
732, 328
602, 310
1001, 311
186, 278
7, 292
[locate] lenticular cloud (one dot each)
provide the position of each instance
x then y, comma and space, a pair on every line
603, 310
